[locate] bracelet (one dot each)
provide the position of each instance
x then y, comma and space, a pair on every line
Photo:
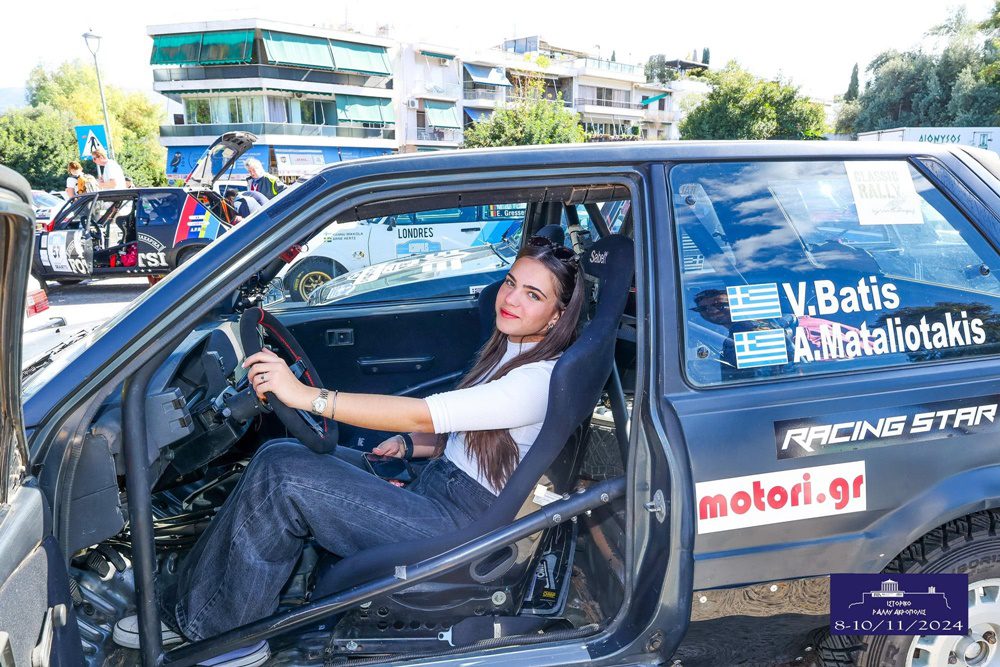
402, 442
407, 445
333, 404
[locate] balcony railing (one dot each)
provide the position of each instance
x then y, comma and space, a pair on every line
517, 98
611, 66
438, 134
165, 74
495, 94
599, 102
339, 131
441, 89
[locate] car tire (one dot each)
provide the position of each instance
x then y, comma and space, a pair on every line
969, 545
308, 274
67, 282
185, 255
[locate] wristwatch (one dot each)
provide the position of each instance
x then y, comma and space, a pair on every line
320, 402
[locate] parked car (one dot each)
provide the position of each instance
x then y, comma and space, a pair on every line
764, 366
46, 206
139, 231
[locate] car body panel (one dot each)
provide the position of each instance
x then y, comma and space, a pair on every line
218, 158
683, 434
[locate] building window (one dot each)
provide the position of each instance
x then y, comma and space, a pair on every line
663, 104
235, 111
311, 112
198, 111
277, 109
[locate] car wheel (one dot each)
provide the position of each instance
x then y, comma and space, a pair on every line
309, 274
186, 255
966, 546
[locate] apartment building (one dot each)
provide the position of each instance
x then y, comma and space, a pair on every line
311, 95
314, 95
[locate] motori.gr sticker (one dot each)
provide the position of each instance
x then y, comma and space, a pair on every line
779, 497
849, 431
900, 604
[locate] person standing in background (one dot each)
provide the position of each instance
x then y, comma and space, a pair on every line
111, 175
261, 181
75, 170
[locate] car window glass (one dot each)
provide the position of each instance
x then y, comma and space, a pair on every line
450, 260
158, 208
76, 214
798, 268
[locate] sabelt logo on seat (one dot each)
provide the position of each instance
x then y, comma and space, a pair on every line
779, 497
598, 257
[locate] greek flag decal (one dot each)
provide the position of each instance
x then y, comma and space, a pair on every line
760, 348
754, 302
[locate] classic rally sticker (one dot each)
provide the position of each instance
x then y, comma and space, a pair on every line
884, 193
760, 348
57, 252
848, 431
754, 302
151, 241
196, 222
778, 497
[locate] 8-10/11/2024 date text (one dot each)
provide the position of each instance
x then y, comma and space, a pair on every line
916, 626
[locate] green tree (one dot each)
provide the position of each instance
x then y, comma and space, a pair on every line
656, 69
705, 53
532, 118
741, 106
852, 87
613, 58
847, 117
135, 118
38, 142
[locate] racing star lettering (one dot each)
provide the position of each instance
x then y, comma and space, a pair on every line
777, 497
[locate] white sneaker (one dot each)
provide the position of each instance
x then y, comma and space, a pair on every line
249, 656
127, 633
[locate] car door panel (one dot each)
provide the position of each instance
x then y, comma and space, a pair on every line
393, 347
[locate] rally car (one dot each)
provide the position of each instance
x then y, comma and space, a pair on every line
759, 398
139, 231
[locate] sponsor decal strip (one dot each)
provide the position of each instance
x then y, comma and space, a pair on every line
848, 431
779, 497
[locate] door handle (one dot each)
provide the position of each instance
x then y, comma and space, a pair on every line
471, 229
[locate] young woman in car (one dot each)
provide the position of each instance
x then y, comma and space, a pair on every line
235, 573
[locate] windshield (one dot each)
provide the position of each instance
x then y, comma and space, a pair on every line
45, 200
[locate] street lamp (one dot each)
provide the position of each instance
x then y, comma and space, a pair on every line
93, 44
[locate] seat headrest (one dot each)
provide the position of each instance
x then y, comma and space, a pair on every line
609, 257
554, 233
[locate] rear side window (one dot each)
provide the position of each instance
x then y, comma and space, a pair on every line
158, 208
799, 268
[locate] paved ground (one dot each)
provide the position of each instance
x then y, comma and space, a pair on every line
87, 304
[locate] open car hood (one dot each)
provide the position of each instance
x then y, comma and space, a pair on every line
17, 229
219, 157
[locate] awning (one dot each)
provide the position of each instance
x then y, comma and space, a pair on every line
441, 114
358, 109
655, 98
227, 47
176, 49
363, 58
477, 115
286, 49
435, 54
490, 76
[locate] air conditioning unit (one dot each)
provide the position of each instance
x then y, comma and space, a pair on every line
412, 103
443, 62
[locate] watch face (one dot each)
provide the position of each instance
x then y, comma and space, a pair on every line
319, 404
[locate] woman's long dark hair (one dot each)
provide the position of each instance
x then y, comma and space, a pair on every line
496, 451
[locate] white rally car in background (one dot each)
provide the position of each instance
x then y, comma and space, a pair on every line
348, 246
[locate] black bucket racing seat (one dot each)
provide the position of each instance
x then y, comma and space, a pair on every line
496, 584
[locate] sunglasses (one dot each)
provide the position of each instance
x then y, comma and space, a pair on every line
560, 252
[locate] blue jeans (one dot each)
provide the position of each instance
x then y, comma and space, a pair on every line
288, 493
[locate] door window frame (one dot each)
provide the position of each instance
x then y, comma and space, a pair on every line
980, 217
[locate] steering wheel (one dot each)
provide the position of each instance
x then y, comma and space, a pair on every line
317, 433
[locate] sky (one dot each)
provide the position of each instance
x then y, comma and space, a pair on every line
814, 45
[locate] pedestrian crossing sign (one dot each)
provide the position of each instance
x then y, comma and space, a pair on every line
89, 137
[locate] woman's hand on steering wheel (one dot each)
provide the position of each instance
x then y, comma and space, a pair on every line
270, 373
